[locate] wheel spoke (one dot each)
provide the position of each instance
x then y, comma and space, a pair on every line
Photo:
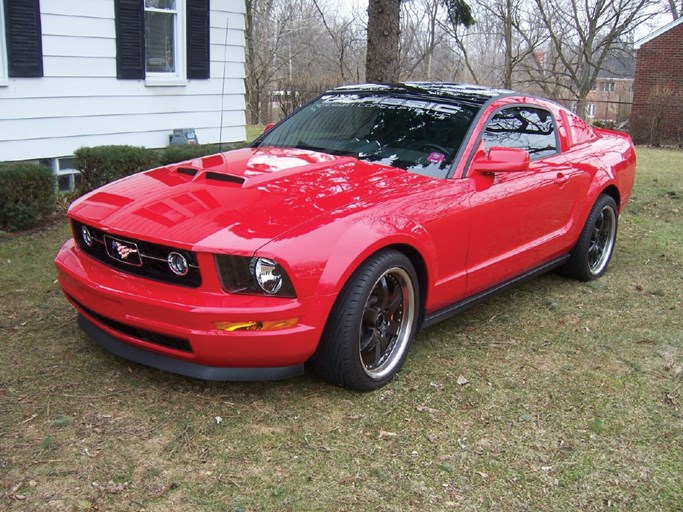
366, 339
370, 316
395, 301
383, 293
394, 327
379, 351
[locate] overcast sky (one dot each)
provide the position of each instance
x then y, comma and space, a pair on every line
362, 5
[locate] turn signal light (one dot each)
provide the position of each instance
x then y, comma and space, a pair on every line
257, 325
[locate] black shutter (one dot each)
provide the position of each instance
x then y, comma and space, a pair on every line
198, 60
24, 38
130, 39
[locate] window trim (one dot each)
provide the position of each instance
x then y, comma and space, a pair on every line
179, 76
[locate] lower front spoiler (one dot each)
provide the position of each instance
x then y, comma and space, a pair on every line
194, 370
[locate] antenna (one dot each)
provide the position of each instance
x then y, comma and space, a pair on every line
225, 59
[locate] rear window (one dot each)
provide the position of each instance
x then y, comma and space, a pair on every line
581, 131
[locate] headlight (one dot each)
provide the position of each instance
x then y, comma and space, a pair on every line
259, 276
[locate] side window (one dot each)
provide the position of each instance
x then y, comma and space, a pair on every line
528, 128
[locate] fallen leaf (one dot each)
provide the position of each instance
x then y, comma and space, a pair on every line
424, 408
383, 434
462, 380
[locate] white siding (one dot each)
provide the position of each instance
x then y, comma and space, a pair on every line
80, 102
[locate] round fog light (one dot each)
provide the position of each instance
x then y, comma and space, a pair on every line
87, 237
178, 264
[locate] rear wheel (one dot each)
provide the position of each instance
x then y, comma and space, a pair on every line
372, 324
595, 246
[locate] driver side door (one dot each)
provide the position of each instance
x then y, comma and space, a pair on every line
518, 219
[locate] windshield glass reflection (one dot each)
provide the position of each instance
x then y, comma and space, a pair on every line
420, 136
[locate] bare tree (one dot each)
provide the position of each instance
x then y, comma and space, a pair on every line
266, 25
506, 38
583, 33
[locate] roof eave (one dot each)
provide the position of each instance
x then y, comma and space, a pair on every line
657, 33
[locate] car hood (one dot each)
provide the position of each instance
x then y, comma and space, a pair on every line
239, 200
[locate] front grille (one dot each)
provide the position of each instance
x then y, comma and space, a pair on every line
136, 332
145, 259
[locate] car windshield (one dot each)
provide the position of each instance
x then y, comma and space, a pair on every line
418, 135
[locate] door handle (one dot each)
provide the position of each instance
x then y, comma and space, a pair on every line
561, 179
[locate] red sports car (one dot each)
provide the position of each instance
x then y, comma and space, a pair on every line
371, 212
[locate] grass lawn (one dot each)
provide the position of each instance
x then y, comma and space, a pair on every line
574, 401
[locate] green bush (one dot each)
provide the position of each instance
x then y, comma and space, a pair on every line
103, 164
27, 195
100, 165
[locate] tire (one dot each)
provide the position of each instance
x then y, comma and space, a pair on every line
593, 250
372, 324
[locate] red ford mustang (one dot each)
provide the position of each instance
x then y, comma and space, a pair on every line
371, 212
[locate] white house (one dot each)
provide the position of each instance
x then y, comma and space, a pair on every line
79, 73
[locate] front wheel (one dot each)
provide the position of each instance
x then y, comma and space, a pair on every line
595, 246
372, 324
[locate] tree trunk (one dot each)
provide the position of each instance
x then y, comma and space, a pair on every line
507, 23
381, 63
251, 86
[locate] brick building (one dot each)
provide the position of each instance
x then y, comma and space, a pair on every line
657, 114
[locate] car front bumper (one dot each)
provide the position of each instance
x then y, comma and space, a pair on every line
173, 328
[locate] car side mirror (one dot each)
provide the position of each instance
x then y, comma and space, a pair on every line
269, 126
499, 159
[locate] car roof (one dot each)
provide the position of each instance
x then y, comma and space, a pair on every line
469, 93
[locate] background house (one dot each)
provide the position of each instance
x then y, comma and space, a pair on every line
658, 88
610, 99
76, 74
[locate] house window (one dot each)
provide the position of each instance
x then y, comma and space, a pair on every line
162, 41
607, 86
67, 175
161, 36
590, 110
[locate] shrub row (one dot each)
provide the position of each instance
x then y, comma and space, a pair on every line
27, 191
100, 165
27, 195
